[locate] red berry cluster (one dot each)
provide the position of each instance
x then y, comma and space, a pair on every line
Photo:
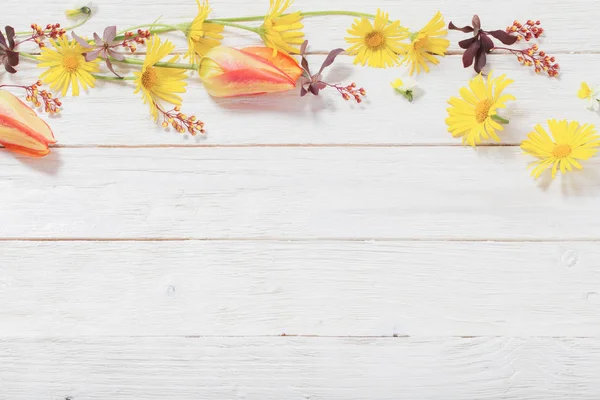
351, 91
181, 122
38, 97
51, 31
133, 39
539, 60
532, 56
526, 31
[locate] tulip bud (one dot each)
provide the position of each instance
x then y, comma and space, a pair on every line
227, 72
21, 130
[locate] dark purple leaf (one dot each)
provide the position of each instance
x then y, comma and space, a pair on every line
303, 92
314, 89
480, 60
304, 64
321, 85
2, 40
12, 58
464, 29
330, 58
303, 47
476, 23
10, 35
305, 80
469, 55
110, 32
465, 44
486, 43
10, 69
116, 55
504, 37
82, 42
110, 67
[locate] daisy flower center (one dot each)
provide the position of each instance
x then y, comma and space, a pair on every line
420, 41
149, 78
561, 150
482, 109
71, 62
375, 39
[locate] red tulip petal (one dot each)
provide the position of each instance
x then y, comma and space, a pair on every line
282, 61
21, 130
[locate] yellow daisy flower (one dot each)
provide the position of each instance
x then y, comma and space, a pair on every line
159, 83
67, 66
426, 44
202, 36
474, 116
569, 143
282, 32
377, 45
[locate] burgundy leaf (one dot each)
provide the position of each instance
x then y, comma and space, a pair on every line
469, 55
330, 58
465, 44
304, 64
2, 40
12, 58
486, 43
476, 23
480, 60
321, 85
304, 80
10, 69
10, 35
504, 37
303, 47
464, 29
303, 92
82, 42
110, 32
116, 55
314, 89
110, 67
92, 55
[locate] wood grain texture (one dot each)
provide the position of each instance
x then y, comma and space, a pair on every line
403, 193
120, 118
490, 279
250, 288
300, 368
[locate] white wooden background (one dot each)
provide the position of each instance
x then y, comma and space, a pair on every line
306, 248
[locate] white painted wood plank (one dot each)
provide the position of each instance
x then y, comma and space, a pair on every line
240, 288
114, 116
391, 192
569, 26
300, 368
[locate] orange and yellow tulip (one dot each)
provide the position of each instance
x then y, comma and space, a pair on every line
21, 130
227, 72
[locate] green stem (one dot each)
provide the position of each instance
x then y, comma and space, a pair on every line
347, 13
304, 14
244, 27
500, 120
70, 28
171, 27
113, 78
135, 61
166, 29
27, 55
